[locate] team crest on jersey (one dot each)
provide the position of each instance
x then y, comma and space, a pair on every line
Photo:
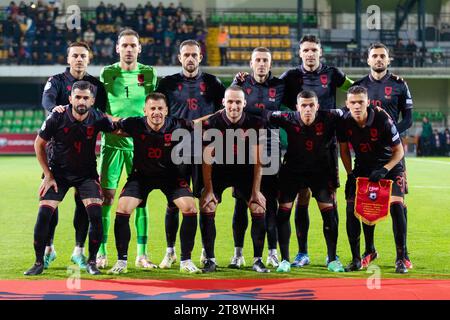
66, 130
374, 134
324, 80
272, 94
142, 137
349, 132
180, 87
319, 129
387, 92
90, 132
248, 90
297, 129
167, 139
140, 78
69, 88
202, 88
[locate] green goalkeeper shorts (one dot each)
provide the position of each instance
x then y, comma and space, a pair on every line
112, 162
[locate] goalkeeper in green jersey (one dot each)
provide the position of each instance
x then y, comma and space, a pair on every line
127, 83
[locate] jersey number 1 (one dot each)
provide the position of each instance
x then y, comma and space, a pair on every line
126, 90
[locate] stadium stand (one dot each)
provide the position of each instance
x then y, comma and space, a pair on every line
36, 34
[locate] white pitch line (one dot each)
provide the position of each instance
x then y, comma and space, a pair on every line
427, 161
430, 187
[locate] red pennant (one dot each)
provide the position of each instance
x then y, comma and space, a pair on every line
372, 200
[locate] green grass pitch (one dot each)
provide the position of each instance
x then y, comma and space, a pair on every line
428, 230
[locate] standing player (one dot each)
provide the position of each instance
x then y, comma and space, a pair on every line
309, 163
55, 96
153, 169
262, 91
324, 80
235, 127
390, 93
127, 83
191, 95
71, 163
378, 155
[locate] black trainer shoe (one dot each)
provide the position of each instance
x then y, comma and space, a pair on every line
355, 265
400, 267
259, 266
209, 266
91, 268
36, 269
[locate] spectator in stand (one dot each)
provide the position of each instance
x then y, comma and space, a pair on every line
199, 24
150, 29
139, 24
447, 141
437, 143
89, 36
122, 12
150, 8
159, 7
139, 11
12, 9
23, 8
222, 42
171, 10
181, 16
411, 50
399, 51
425, 137
100, 10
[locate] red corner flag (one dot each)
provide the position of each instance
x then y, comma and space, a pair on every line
372, 200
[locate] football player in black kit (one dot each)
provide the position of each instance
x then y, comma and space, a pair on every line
262, 91
54, 98
71, 162
235, 130
378, 154
310, 162
391, 93
153, 169
324, 80
191, 94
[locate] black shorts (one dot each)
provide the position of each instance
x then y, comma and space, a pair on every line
398, 185
323, 187
242, 184
269, 187
193, 173
140, 187
86, 187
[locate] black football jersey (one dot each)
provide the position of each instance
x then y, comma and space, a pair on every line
243, 133
310, 147
152, 149
192, 98
72, 142
58, 87
389, 93
373, 143
322, 81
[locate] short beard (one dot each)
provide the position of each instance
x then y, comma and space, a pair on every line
81, 112
190, 71
379, 70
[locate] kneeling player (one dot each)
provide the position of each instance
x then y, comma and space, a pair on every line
235, 127
309, 163
71, 163
154, 169
378, 155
